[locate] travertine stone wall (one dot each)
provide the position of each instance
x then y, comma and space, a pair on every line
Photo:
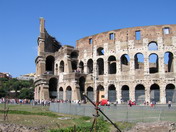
118, 70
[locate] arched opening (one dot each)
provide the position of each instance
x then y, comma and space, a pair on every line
125, 93
82, 87
61, 66
125, 63
50, 64
81, 67
155, 93
112, 93
112, 65
152, 46
60, 93
153, 63
53, 88
140, 94
101, 93
90, 66
100, 51
90, 93
139, 61
170, 93
100, 68
74, 66
74, 55
168, 62
69, 93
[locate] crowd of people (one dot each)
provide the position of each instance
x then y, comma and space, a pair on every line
79, 102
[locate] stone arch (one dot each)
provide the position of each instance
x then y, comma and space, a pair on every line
81, 67
90, 66
100, 66
112, 93
155, 93
68, 93
140, 93
152, 46
112, 65
125, 63
53, 82
74, 55
50, 64
100, 51
82, 86
90, 93
153, 63
170, 93
125, 93
139, 61
61, 91
168, 62
61, 67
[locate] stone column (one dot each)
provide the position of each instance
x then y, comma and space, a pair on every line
36, 93
118, 68
132, 72
106, 91
146, 65
85, 67
132, 92
162, 94
147, 93
45, 93
161, 65
64, 93
118, 93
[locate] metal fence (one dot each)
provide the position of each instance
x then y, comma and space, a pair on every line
120, 112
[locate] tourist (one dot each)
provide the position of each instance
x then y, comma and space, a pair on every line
169, 104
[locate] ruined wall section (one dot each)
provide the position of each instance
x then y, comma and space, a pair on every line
124, 42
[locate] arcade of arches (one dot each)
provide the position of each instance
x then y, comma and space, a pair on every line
125, 93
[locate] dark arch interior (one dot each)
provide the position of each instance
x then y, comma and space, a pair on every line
100, 51
112, 93
140, 94
74, 55
155, 93
112, 65
53, 88
100, 64
82, 87
90, 66
50, 64
125, 93
62, 66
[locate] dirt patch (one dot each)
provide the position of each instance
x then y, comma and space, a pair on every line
154, 127
4, 127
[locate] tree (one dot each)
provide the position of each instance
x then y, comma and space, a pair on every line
22, 88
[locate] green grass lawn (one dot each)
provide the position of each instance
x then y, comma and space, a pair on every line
40, 116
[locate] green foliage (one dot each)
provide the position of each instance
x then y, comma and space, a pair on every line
26, 88
26, 93
101, 126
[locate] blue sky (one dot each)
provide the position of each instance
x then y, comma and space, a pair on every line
68, 21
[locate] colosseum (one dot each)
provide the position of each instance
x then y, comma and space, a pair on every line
137, 64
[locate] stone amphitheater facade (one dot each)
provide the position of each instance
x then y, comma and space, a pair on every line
137, 64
